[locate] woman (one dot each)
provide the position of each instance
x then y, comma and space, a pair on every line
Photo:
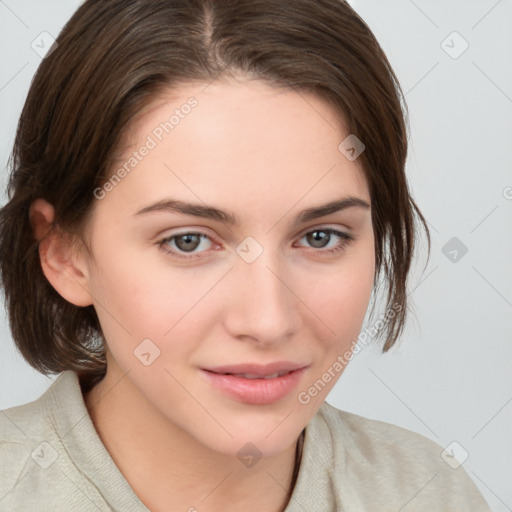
268, 136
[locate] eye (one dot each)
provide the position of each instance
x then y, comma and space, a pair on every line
319, 238
186, 243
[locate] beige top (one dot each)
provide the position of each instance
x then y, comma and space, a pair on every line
52, 459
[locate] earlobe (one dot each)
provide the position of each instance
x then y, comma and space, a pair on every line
64, 267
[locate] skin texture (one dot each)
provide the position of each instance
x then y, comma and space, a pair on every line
265, 154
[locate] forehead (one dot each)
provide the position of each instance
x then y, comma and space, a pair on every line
243, 141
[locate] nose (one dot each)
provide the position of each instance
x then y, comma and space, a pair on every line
261, 303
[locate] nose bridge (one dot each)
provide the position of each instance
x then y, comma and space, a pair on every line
262, 305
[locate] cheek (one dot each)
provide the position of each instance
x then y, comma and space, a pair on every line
341, 306
137, 302
341, 298
343, 311
144, 298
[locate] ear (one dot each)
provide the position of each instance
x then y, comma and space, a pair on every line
65, 268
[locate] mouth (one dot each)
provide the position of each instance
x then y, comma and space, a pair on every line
256, 384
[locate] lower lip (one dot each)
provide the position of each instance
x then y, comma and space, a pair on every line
255, 391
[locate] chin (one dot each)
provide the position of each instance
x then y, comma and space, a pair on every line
266, 439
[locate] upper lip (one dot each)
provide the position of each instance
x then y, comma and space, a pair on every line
258, 369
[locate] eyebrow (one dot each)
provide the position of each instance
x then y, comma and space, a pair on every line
211, 212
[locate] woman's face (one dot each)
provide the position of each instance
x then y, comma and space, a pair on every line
181, 294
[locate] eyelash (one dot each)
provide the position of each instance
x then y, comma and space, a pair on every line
346, 239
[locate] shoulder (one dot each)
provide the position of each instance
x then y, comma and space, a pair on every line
27, 437
378, 437
22, 430
53, 459
397, 462
23, 424
35, 466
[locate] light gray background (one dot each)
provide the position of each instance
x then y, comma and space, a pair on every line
450, 377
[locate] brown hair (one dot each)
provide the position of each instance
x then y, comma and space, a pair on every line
112, 59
